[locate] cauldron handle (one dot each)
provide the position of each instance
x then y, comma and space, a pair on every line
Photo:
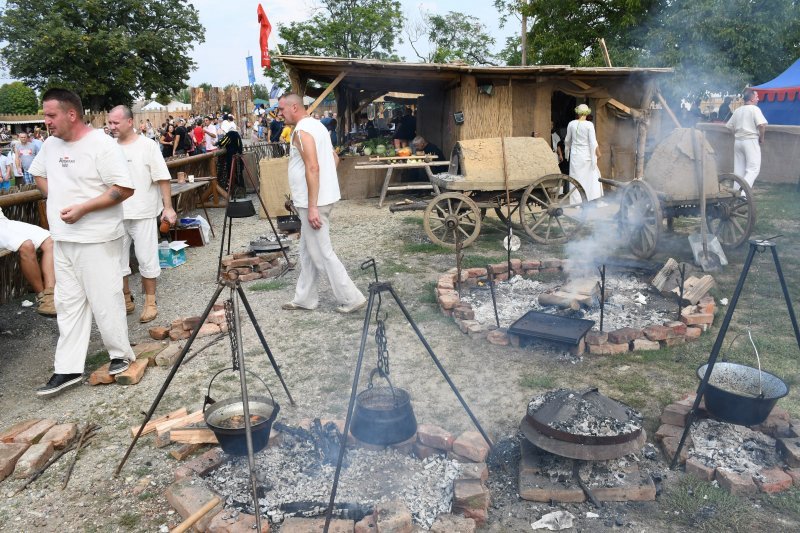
389, 381
208, 400
758, 359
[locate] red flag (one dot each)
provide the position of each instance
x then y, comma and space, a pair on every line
266, 29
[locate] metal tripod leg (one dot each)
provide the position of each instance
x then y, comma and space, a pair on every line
263, 340
171, 375
786, 295
248, 430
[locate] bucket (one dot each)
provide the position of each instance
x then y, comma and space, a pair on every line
221, 418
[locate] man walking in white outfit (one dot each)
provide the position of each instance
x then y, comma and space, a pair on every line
151, 178
315, 188
748, 126
83, 174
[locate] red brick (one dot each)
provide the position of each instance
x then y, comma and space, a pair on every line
471, 445
735, 483
34, 458
498, 337
35, 432
669, 445
250, 277
453, 456
208, 329
187, 496
552, 263
655, 332
366, 525
435, 437
578, 349
7, 435
531, 265
668, 430
316, 525
636, 486
158, 333
643, 345
516, 265
449, 301
596, 338
608, 349
176, 324
707, 305
191, 323
423, 452
674, 341
470, 494
9, 453
679, 328
692, 319
60, 435
177, 334
772, 480
501, 277
624, 335
790, 449
464, 313
699, 469
406, 447
499, 268
675, 414
169, 355
448, 523
536, 487
477, 272
242, 523
477, 471
101, 376
201, 465
693, 333
446, 282
244, 262
478, 515
392, 517
241, 255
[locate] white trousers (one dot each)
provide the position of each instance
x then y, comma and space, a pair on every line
88, 282
317, 257
747, 159
144, 235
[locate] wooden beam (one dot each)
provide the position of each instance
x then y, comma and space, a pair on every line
327, 91
614, 102
668, 110
606, 57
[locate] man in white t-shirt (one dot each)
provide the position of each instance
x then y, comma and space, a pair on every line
83, 174
315, 188
748, 126
151, 180
211, 134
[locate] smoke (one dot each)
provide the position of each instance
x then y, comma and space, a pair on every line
585, 255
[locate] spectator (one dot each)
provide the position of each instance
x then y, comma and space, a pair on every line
167, 140
181, 144
6, 171
199, 135
24, 152
405, 129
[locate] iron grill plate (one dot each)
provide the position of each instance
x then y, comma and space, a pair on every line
551, 327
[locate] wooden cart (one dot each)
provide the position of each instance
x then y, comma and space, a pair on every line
671, 187
544, 202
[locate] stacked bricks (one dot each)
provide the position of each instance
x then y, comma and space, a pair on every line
695, 319
770, 480
251, 266
471, 497
27, 446
181, 328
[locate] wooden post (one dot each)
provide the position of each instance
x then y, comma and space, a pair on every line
643, 122
606, 57
668, 110
327, 91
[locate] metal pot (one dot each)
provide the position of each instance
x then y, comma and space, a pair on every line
383, 415
234, 440
240, 208
741, 394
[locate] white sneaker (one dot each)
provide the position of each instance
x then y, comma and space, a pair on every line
345, 309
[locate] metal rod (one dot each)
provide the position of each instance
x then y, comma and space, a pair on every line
490, 277
438, 364
712, 358
171, 375
602, 294
373, 289
222, 244
248, 430
786, 295
682, 270
263, 340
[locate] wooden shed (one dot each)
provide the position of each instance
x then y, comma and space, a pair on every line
499, 101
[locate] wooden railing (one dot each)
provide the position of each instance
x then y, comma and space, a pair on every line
25, 204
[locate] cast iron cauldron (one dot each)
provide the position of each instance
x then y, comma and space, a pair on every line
240, 208
383, 415
234, 440
741, 394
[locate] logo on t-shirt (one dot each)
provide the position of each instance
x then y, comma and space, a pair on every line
66, 161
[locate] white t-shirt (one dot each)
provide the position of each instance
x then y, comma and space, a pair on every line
328, 180
7, 161
2, 216
227, 126
147, 167
745, 122
79, 171
211, 130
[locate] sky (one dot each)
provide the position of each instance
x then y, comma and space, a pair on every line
232, 34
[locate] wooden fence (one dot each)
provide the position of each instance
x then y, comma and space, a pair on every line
25, 204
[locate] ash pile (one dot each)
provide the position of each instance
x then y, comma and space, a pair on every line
738, 448
295, 479
581, 414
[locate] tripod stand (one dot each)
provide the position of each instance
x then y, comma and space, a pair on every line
230, 281
236, 209
755, 246
375, 290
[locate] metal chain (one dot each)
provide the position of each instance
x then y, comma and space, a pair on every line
232, 334
383, 351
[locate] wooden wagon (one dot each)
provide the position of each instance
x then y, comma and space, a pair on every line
680, 179
544, 202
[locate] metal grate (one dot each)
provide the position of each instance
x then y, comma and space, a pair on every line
551, 327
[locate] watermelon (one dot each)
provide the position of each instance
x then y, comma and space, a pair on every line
380, 149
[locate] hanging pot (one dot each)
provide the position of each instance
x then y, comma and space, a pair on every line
383, 415
741, 394
226, 419
240, 208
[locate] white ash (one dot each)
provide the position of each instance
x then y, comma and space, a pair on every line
738, 448
595, 474
292, 473
628, 302
585, 417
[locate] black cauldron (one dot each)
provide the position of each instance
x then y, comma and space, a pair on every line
741, 394
234, 440
383, 415
240, 208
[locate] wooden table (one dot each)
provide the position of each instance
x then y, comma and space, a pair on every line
417, 185
187, 196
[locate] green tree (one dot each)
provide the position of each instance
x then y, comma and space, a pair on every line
452, 37
260, 91
18, 98
205, 86
105, 50
184, 96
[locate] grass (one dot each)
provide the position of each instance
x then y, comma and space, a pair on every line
271, 285
785, 502
129, 521
424, 248
96, 360
702, 507
535, 381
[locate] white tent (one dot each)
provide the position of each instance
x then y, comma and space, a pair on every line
153, 106
178, 106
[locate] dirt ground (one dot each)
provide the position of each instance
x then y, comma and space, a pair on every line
317, 351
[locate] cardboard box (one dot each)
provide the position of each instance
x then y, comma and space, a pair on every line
172, 254
192, 235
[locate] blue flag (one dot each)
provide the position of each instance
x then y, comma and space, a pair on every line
251, 74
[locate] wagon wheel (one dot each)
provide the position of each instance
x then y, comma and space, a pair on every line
731, 217
451, 214
640, 218
545, 211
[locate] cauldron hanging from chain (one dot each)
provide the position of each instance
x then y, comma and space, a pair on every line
383, 414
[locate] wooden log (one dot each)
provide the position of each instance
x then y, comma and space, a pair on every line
695, 288
565, 302
7, 200
151, 426
185, 451
183, 421
193, 436
668, 277
187, 524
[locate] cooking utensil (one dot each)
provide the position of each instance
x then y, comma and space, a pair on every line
383, 415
